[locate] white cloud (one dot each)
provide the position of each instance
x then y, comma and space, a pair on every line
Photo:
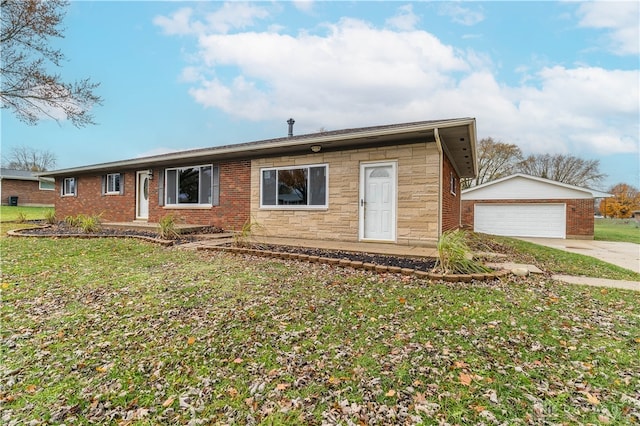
303, 5
461, 15
179, 23
404, 20
235, 15
355, 74
620, 18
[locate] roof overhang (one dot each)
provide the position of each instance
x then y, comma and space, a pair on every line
457, 135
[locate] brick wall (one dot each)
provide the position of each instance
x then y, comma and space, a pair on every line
450, 201
28, 193
89, 199
232, 212
579, 221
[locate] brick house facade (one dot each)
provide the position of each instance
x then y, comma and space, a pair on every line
423, 162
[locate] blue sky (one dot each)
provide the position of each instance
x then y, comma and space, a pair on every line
551, 77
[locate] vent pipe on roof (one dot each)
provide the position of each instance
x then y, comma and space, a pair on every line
290, 123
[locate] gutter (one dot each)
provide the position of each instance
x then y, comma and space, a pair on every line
436, 133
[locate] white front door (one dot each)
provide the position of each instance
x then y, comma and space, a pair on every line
378, 201
142, 195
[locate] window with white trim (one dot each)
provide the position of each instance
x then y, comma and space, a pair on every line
113, 183
294, 187
68, 187
192, 186
46, 185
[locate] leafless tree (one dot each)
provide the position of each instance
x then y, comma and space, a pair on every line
495, 160
27, 158
563, 168
27, 88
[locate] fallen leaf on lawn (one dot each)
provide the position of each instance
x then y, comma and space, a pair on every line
604, 291
402, 300
233, 392
31, 388
101, 369
168, 402
191, 340
333, 380
465, 379
391, 392
460, 364
238, 361
282, 386
592, 399
478, 408
604, 419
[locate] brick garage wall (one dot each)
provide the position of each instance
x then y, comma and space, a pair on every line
235, 197
28, 193
89, 199
579, 221
450, 201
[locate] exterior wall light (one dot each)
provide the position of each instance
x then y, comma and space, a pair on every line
316, 148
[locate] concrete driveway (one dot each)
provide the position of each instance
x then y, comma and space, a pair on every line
626, 255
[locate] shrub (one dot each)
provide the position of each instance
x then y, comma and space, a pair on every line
73, 221
454, 255
21, 217
242, 237
50, 216
90, 224
167, 228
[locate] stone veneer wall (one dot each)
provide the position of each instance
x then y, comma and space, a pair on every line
417, 195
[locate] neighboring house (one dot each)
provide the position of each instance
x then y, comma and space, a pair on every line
527, 206
29, 189
396, 183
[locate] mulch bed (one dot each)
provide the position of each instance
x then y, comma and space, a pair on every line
417, 263
63, 230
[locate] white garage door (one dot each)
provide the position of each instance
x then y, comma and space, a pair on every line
521, 220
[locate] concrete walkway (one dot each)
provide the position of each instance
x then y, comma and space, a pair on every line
598, 282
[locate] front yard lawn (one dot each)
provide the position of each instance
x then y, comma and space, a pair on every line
13, 213
125, 332
625, 230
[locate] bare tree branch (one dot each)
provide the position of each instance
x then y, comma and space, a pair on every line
27, 158
26, 86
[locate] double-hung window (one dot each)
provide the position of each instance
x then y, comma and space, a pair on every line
68, 187
294, 187
113, 183
193, 186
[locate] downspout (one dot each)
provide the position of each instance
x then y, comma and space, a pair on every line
440, 165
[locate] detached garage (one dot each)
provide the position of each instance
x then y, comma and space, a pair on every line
527, 206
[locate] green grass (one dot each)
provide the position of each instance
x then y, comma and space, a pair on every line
12, 213
122, 331
624, 230
562, 262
